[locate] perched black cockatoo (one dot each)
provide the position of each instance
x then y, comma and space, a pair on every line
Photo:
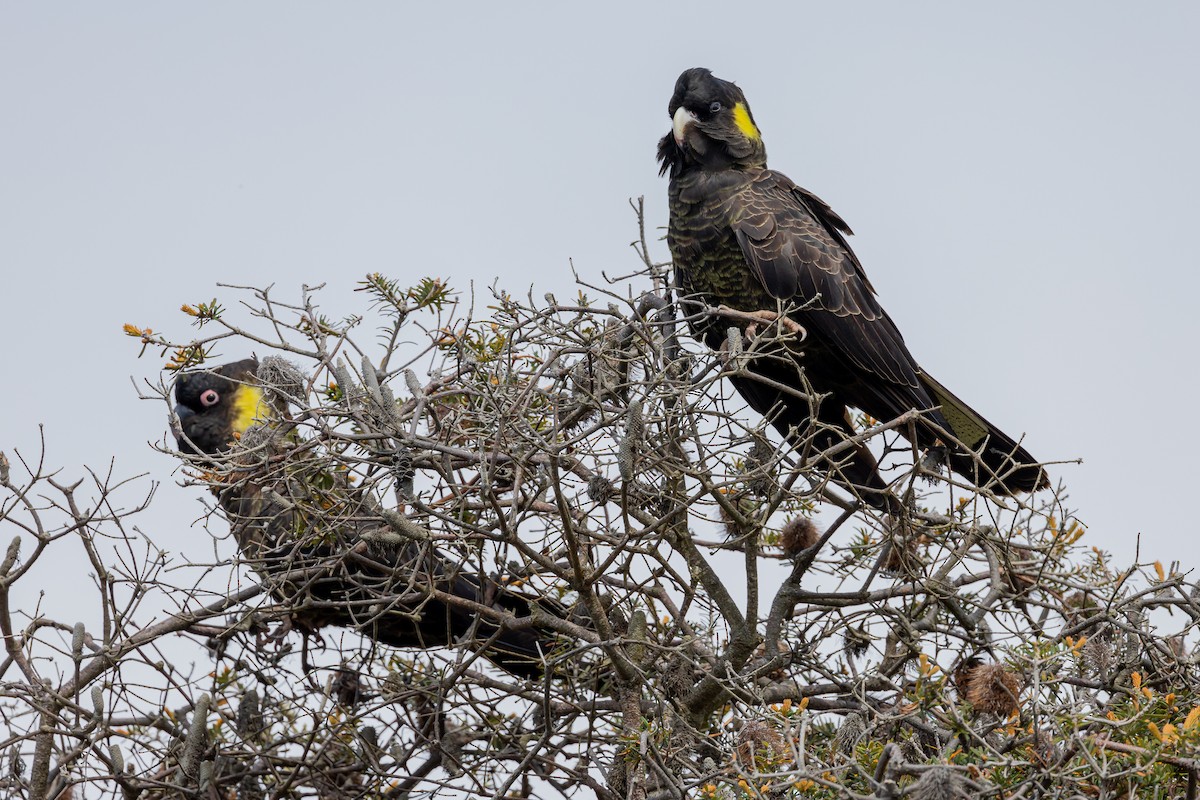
288, 519
748, 238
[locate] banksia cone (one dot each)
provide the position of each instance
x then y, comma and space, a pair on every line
625, 458
939, 783
798, 534
1098, 654
283, 378
760, 747
348, 688
745, 507
1019, 570
1080, 607
853, 728
992, 689
856, 640
600, 488
962, 673
901, 558
757, 467
782, 649
249, 718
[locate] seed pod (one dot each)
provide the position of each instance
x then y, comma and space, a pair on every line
758, 464
634, 424
1079, 607
857, 640
414, 385
961, 676
733, 341
939, 783
1097, 655
77, 636
195, 743
1019, 569
992, 689
98, 700
283, 378
852, 730
760, 747
798, 534
625, 458
117, 758
902, 558
637, 636
249, 718
599, 488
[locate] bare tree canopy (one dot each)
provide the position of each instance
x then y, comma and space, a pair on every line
535, 548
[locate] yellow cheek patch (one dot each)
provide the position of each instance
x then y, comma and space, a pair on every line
741, 118
248, 408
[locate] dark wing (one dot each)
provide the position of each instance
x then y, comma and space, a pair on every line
793, 243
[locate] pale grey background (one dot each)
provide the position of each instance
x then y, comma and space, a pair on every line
1021, 177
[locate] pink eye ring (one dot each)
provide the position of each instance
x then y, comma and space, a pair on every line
209, 398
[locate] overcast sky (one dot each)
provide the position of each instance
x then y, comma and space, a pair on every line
1022, 179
